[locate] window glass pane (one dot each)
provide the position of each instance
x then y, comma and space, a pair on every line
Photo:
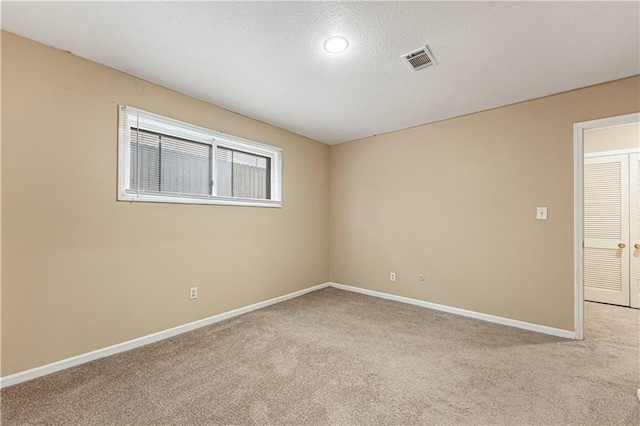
185, 167
161, 163
242, 175
145, 155
223, 172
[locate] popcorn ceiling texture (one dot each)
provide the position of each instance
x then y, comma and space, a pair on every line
334, 357
265, 59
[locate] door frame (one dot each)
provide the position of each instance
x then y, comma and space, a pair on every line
578, 205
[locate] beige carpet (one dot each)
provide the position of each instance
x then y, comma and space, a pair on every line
334, 357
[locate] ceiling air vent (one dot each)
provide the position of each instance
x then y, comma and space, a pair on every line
419, 59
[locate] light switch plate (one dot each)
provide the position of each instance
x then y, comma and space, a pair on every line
541, 213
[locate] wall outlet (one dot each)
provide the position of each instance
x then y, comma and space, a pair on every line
541, 213
392, 277
193, 293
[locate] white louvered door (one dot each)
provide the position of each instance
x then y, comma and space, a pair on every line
634, 247
606, 229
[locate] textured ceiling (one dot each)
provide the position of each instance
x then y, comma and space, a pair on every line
265, 60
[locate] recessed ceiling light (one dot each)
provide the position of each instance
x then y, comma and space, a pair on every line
336, 44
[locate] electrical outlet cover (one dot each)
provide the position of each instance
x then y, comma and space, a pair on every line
541, 213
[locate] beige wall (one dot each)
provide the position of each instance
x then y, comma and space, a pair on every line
82, 271
612, 138
456, 201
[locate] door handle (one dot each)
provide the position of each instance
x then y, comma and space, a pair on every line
637, 246
622, 245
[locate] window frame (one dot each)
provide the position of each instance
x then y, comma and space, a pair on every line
176, 128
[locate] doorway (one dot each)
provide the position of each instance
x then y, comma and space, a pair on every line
606, 213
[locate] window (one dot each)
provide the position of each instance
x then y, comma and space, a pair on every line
165, 160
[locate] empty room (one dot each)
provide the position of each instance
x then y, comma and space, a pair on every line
320, 213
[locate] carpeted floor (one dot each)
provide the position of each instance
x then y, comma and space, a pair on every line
334, 357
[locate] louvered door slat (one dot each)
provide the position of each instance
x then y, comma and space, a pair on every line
603, 200
606, 206
602, 269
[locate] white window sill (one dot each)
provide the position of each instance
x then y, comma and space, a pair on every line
195, 200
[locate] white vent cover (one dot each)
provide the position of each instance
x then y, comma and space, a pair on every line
419, 58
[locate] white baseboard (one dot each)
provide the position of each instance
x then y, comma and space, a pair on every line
472, 314
33, 373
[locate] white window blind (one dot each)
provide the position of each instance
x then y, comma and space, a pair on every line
165, 160
243, 175
163, 164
